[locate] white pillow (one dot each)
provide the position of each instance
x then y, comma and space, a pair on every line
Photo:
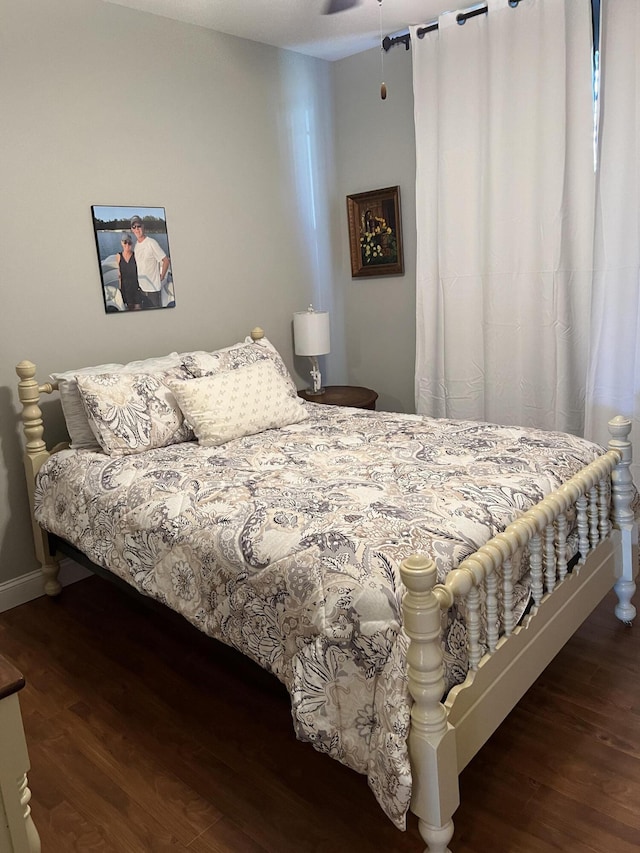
239, 402
132, 412
80, 433
202, 363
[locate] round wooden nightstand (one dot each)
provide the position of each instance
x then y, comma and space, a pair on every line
343, 395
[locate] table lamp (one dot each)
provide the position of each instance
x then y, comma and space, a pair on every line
311, 338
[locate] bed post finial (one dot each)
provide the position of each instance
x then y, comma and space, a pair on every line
257, 334
432, 745
622, 516
29, 394
35, 454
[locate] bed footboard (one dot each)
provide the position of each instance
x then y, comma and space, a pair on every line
623, 517
432, 742
35, 455
506, 659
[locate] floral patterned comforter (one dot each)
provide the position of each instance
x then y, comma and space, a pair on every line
287, 545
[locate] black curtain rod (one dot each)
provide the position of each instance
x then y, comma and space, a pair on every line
405, 38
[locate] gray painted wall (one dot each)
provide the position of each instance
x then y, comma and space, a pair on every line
375, 148
250, 150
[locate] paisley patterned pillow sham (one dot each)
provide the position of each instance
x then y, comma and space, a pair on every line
80, 432
202, 363
235, 403
132, 412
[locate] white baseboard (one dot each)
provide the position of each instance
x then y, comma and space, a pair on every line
27, 587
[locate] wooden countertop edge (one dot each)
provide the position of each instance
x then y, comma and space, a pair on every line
11, 679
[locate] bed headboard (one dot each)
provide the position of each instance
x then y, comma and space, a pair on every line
36, 453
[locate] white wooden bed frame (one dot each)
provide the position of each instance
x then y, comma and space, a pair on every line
446, 734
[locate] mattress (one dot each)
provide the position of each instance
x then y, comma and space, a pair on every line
286, 545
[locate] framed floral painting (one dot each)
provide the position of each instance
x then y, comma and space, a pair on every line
375, 233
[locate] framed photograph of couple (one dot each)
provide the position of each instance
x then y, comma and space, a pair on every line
133, 258
375, 233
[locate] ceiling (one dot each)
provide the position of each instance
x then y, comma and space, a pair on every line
299, 25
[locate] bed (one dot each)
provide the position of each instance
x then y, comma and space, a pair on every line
406, 578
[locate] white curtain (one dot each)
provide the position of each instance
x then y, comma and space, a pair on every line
505, 200
613, 383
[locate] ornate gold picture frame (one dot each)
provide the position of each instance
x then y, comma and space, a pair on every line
375, 233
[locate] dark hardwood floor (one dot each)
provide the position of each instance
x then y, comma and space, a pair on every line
146, 736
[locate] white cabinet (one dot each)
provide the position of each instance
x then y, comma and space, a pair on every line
18, 833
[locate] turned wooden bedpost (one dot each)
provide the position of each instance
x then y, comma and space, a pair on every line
432, 745
35, 454
623, 518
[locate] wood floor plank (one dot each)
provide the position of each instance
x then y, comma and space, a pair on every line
146, 736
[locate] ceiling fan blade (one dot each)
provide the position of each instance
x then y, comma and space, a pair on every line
334, 6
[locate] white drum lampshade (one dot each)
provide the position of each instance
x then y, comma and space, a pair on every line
312, 338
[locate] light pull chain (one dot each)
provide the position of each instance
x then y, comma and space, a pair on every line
383, 85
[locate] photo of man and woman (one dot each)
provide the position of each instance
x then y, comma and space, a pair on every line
133, 257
